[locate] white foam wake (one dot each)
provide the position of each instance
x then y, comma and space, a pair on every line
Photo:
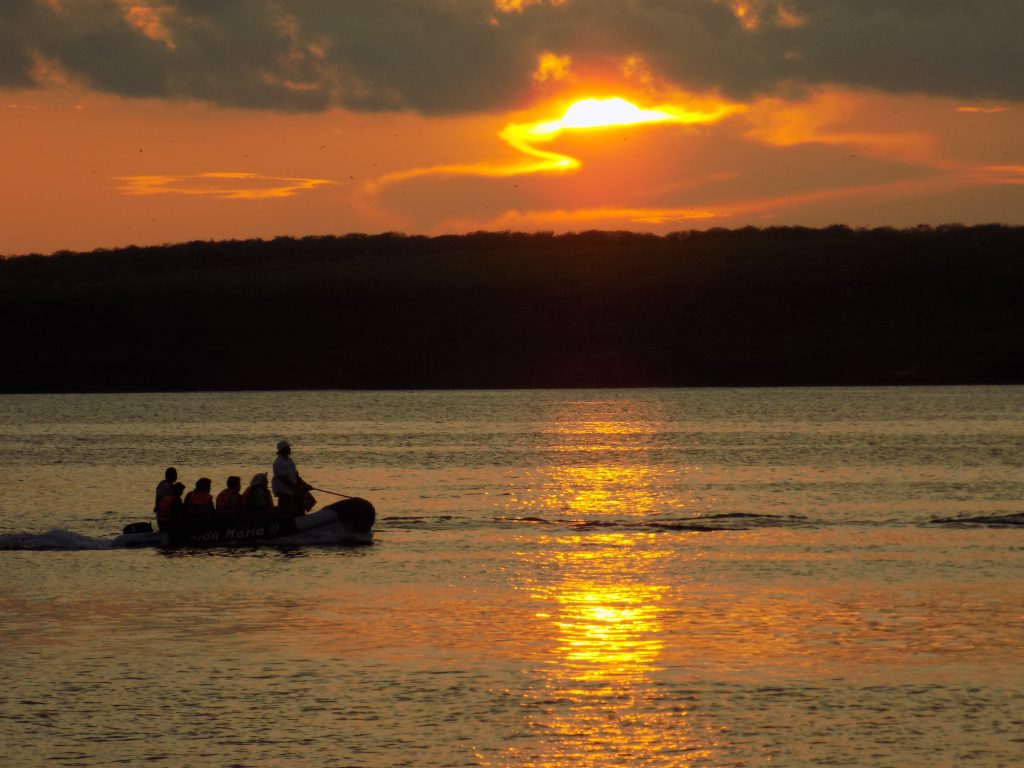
58, 538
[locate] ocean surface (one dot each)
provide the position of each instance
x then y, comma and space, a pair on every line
792, 577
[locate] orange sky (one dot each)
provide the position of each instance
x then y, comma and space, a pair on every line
90, 162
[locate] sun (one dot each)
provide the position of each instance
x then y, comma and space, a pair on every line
584, 114
600, 113
595, 113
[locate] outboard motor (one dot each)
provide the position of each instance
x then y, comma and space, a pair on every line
359, 514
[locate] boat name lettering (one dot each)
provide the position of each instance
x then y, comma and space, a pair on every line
236, 534
251, 533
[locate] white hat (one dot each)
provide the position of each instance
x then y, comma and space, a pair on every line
283, 444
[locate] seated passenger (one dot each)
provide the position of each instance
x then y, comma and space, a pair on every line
257, 501
199, 508
229, 501
170, 510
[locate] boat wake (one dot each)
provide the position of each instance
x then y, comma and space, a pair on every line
57, 539
67, 541
732, 521
992, 521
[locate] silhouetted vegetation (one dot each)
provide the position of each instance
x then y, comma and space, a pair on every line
724, 307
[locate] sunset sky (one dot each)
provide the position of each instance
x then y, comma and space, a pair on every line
153, 121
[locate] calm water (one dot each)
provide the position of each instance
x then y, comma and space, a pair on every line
586, 578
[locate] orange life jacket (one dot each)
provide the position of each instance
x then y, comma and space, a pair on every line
198, 501
228, 500
165, 509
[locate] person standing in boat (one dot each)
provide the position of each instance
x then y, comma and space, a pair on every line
289, 488
199, 509
164, 488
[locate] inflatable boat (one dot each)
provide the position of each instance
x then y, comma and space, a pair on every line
349, 522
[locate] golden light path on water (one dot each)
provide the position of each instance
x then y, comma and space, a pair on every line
597, 702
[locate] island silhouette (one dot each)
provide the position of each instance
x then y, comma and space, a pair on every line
745, 307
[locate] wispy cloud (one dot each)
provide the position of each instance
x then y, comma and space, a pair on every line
599, 217
982, 110
225, 185
824, 118
1003, 174
721, 213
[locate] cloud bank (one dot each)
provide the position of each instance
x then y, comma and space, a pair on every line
464, 56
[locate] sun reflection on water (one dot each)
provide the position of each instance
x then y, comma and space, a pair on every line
612, 463
596, 701
589, 492
608, 627
602, 602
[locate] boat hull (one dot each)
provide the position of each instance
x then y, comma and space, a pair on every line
347, 522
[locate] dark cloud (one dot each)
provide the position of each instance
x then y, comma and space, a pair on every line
443, 56
17, 19
959, 48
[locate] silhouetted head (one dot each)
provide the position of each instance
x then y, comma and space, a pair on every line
284, 447
259, 479
204, 484
234, 482
170, 474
